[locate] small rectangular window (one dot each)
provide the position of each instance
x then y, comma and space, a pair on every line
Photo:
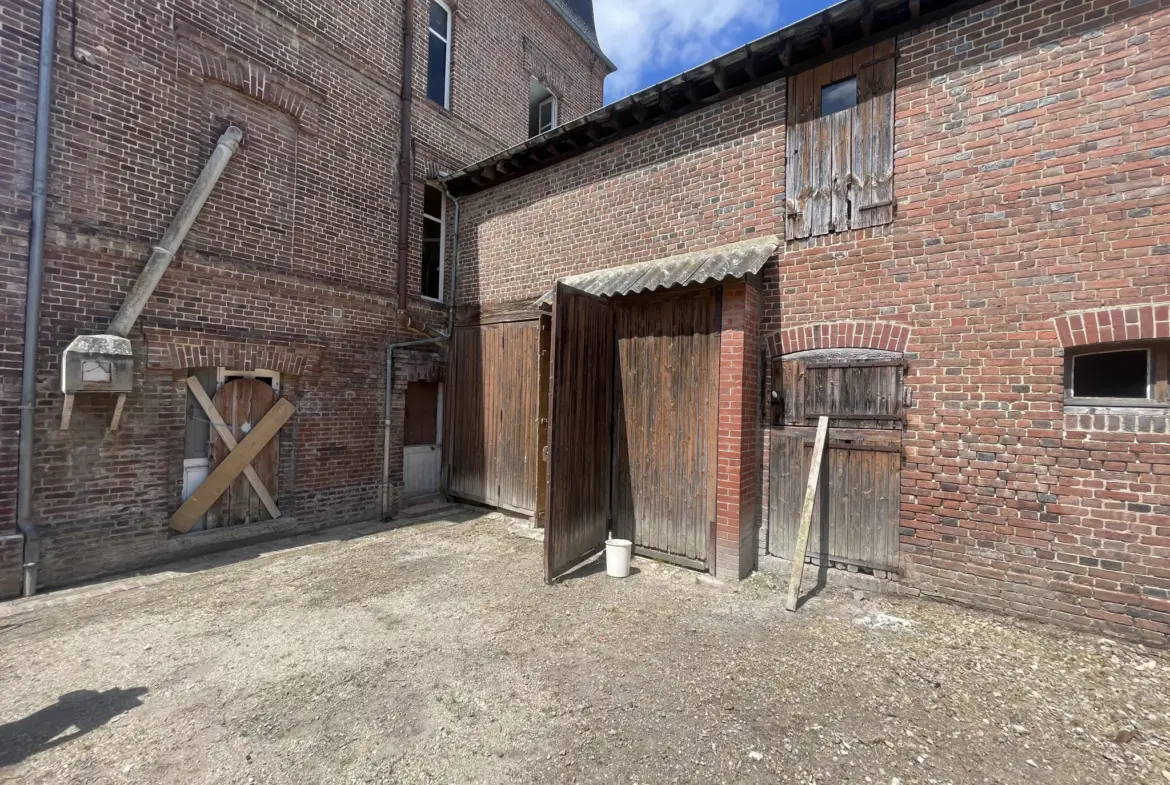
839, 96
439, 54
434, 211
1121, 375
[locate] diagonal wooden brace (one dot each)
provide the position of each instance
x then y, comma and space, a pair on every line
231, 467
225, 434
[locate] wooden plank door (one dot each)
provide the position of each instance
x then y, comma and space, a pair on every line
666, 400
471, 444
242, 404
856, 515
518, 387
579, 430
493, 419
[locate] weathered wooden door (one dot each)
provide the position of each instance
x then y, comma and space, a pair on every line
666, 400
242, 403
856, 515
579, 429
856, 518
494, 414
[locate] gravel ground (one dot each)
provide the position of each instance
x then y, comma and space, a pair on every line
435, 654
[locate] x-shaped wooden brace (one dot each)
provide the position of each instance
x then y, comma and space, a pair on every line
239, 459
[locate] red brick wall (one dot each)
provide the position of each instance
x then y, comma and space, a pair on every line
292, 260
1032, 179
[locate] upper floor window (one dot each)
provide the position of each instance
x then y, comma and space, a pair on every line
1120, 375
542, 109
434, 212
439, 54
840, 167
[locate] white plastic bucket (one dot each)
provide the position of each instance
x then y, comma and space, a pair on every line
617, 558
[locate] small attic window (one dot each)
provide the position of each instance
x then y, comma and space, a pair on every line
839, 96
1123, 376
542, 109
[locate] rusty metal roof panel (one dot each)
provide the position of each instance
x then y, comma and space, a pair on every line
713, 264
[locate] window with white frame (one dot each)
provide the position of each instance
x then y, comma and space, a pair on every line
434, 211
542, 109
1133, 374
439, 54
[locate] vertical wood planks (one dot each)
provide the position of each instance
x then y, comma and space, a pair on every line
856, 515
242, 404
806, 514
493, 426
579, 429
665, 411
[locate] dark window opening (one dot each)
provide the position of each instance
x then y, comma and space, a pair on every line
431, 268
439, 54
839, 96
1121, 374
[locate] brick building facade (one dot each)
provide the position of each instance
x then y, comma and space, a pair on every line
1030, 199
290, 267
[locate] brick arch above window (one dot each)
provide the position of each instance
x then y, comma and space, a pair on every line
1111, 325
846, 334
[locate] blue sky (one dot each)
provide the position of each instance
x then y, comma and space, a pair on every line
652, 40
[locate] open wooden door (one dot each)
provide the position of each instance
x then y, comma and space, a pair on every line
579, 430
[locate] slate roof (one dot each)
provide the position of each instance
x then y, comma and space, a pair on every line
579, 15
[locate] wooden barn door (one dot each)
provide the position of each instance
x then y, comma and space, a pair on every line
242, 403
494, 415
579, 430
856, 517
666, 400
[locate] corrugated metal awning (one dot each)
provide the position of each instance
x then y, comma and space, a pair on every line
713, 264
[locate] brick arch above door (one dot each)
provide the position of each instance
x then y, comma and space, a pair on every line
844, 334
1137, 322
178, 349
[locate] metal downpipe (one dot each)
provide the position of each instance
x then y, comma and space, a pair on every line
389, 380
32, 298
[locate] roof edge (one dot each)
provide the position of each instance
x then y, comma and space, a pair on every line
589, 39
840, 29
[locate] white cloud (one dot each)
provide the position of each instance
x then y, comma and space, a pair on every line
651, 36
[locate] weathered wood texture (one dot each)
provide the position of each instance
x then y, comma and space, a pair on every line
666, 401
839, 168
242, 404
806, 513
579, 429
232, 466
215, 420
493, 424
854, 393
856, 515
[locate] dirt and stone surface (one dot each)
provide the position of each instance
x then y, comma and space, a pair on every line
436, 654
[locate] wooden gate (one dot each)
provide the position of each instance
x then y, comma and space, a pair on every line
580, 408
494, 416
242, 403
856, 518
666, 401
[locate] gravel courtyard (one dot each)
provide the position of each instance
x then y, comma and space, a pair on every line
435, 654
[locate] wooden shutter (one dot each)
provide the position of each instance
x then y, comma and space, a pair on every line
873, 145
853, 393
803, 108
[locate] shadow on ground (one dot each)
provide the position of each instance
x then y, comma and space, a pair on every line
72, 716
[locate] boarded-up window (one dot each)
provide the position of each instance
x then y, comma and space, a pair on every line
840, 167
854, 392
